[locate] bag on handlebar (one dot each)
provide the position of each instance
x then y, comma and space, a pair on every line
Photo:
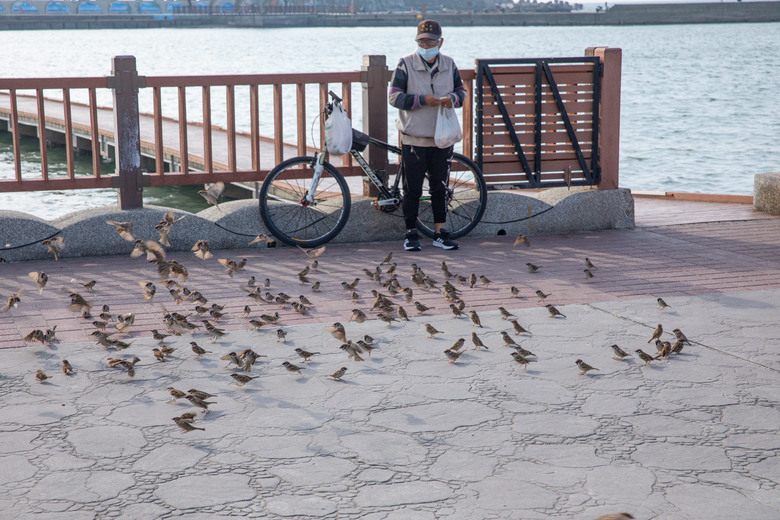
448, 130
338, 131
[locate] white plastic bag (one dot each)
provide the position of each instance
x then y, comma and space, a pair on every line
338, 132
448, 130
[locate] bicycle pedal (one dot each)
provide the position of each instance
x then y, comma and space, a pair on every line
375, 203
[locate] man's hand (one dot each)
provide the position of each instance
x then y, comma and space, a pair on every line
433, 101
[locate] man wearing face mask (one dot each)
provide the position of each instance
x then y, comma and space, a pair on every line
422, 81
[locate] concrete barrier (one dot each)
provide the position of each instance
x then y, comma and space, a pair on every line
235, 223
766, 192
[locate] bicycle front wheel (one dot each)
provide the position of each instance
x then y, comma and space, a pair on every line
290, 217
465, 199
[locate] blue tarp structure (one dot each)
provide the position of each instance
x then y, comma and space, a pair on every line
57, 7
174, 6
24, 7
227, 7
149, 7
89, 7
119, 7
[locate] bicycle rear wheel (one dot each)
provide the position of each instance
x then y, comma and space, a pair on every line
287, 215
466, 199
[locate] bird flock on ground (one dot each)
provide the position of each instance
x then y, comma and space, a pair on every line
392, 304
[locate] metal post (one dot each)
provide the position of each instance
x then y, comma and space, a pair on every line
609, 111
127, 136
375, 79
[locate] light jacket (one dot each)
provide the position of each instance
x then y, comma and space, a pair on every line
412, 80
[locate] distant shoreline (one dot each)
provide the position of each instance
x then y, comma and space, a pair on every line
622, 14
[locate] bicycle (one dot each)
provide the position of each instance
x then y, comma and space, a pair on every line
305, 201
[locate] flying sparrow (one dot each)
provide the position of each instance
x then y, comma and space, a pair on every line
212, 193
352, 351
338, 331
40, 278
358, 316
125, 229
202, 249
55, 246
522, 239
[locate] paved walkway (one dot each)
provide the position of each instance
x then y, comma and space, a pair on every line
406, 434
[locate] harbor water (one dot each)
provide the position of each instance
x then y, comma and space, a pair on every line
699, 102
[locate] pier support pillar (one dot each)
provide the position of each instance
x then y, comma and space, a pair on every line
129, 180
375, 78
609, 114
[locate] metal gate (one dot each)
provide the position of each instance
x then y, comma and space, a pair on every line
537, 121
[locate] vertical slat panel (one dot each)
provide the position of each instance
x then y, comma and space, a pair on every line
254, 123
301, 122
468, 119
42, 134
159, 158
68, 132
230, 99
184, 164
278, 126
346, 98
93, 127
323, 101
15, 130
208, 156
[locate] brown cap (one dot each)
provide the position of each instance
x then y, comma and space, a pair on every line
428, 29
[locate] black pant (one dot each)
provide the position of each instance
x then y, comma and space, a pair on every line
417, 161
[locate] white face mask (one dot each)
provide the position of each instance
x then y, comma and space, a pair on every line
428, 54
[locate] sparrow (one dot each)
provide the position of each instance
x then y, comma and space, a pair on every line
515, 291
456, 313
368, 339
270, 318
13, 301
619, 352
452, 355
584, 367
656, 333
402, 313
485, 280
200, 403
49, 336
589, 264
588, 274
408, 294
200, 394
313, 253
352, 351
475, 318
247, 357
201, 249
680, 336
149, 289
125, 229
281, 335
262, 238
231, 358
431, 330
518, 357
386, 318
662, 304
338, 331
523, 352
505, 314
338, 374
531, 267
541, 295
55, 246
41, 376
185, 426
316, 287
198, 350
677, 347
34, 336
158, 354
355, 296
522, 239
77, 302
242, 379
647, 358
666, 349
153, 250
67, 369
165, 226
387, 259
212, 193
231, 266
304, 300
508, 339
351, 286
305, 354
616, 516
40, 278
519, 329
358, 316
292, 368
477, 342
420, 307
176, 394
553, 311
457, 345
